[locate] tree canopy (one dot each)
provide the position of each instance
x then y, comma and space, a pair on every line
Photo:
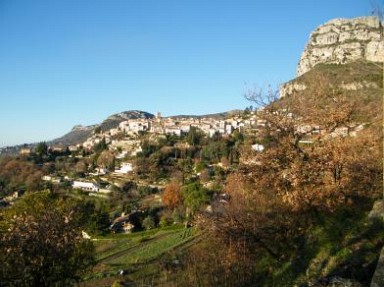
42, 243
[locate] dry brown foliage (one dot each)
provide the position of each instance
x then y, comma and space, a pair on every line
333, 167
18, 174
278, 194
172, 196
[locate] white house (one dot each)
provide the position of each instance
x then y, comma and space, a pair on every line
52, 179
134, 126
73, 148
25, 151
212, 132
340, 131
100, 171
46, 178
258, 147
185, 128
86, 186
125, 168
228, 129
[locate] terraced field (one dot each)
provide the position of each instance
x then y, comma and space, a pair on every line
137, 258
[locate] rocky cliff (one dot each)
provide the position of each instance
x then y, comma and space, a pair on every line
341, 41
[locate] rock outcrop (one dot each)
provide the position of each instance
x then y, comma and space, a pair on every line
341, 41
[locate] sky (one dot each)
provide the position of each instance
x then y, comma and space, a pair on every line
64, 63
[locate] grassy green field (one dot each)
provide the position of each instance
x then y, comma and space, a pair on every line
142, 255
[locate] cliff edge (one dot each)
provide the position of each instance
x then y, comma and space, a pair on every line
342, 41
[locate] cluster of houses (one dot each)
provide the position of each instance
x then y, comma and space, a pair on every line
174, 126
181, 126
87, 184
124, 137
209, 126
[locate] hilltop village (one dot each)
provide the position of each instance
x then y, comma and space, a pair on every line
173, 126
289, 194
125, 144
101, 170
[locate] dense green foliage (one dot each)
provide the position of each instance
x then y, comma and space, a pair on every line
195, 196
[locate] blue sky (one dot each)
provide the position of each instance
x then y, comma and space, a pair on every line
72, 62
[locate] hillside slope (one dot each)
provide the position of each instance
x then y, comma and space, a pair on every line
76, 136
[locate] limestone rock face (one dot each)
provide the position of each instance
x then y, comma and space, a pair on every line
342, 41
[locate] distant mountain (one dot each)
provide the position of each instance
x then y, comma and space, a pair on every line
76, 136
80, 133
